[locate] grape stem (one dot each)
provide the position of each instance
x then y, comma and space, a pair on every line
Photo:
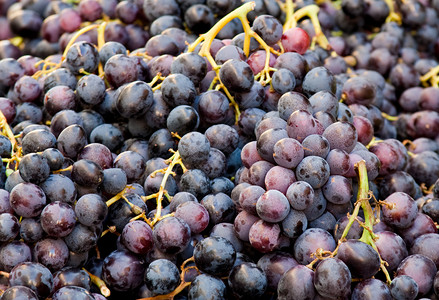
181, 287
310, 11
393, 16
99, 283
368, 236
174, 160
431, 76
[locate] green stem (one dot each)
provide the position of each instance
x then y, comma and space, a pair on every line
368, 236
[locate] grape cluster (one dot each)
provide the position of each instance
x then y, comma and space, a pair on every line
219, 150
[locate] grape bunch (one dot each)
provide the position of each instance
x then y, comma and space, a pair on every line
219, 149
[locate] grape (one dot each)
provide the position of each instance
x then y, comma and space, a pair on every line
81, 238
209, 286
338, 189
359, 90
421, 269
19, 291
332, 278
34, 276
251, 99
295, 40
264, 236
391, 248
247, 280
162, 276
316, 145
300, 194
82, 56
27, 199
194, 148
341, 135
194, 214
58, 219
257, 59
294, 224
171, 235
214, 256
302, 124
297, 283
362, 260
288, 152
424, 245
13, 254
237, 76
313, 170
227, 231
71, 277
58, 187
190, 64
355, 231
72, 291
401, 210
122, 270
404, 287
71, 140
220, 207
279, 178
283, 81
373, 288
269, 28
258, 172
311, 240
134, 99
53, 253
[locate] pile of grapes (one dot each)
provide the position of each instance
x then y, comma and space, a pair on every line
219, 149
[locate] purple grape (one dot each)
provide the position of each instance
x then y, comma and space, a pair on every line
275, 265
421, 269
308, 243
123, 271
404, 287
137, 236
243, 223
302, 124
279, 178
248, 198
194, 214
400, 210
391, 248
214, 256
362, 260
52, 253
272, 206
300, 194
422, 224
332, 278
288, 153
9, 227
264, 236
247, 280
373, 288
34, 276
338, 189
58, 219
27, 200
313, 170
297, 283
14, 253
425, 245
171, 235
